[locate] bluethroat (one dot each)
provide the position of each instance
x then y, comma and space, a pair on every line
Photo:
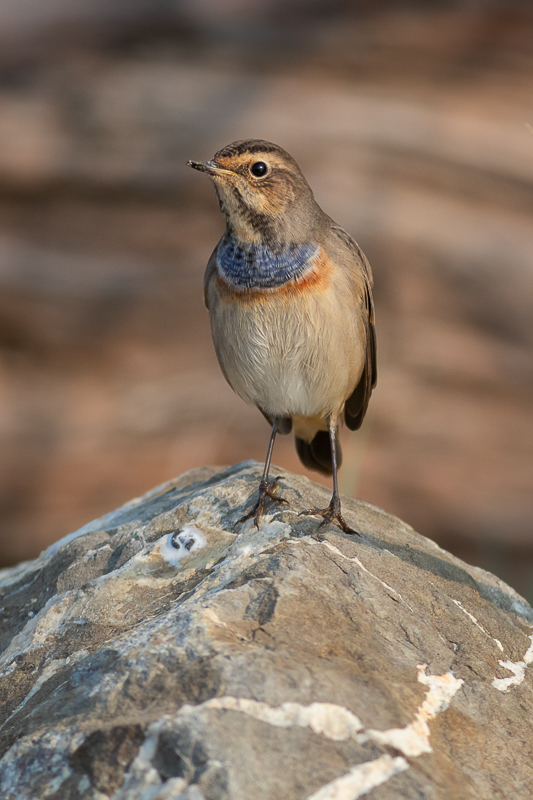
289, 295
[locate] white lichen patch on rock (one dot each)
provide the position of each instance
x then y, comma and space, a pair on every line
189, 547
175, 546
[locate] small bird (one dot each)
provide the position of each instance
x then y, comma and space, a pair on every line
289, 295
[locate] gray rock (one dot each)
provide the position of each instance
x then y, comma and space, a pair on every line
160, 652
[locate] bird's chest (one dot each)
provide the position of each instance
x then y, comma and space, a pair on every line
265, 349
282, 349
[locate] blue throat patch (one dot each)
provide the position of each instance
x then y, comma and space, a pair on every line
256, 266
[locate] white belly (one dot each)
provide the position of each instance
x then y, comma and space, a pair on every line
289, 358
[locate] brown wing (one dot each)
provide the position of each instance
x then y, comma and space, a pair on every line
209, 271
357, 403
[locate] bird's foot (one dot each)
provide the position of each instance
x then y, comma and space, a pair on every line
331, 514
266, 489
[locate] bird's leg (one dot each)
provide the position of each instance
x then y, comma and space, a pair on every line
266, 489
333, 511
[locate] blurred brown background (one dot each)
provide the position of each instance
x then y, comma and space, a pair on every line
409, 121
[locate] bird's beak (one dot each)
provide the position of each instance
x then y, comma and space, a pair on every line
210, 167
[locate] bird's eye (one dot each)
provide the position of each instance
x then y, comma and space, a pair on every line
259, 169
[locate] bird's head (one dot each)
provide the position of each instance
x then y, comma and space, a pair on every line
263, 194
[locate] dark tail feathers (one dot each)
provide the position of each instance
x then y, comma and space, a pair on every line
316, 454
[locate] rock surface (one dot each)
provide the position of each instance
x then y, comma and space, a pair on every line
160, 652
408, 121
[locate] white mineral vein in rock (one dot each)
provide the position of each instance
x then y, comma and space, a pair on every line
359, 563
476, 623
361, 779
413, 740
339, 724
332, 721
518, 668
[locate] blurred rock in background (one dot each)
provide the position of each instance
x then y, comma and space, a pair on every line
410, 123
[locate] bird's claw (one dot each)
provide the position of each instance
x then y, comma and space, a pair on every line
331, 514
266, 490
